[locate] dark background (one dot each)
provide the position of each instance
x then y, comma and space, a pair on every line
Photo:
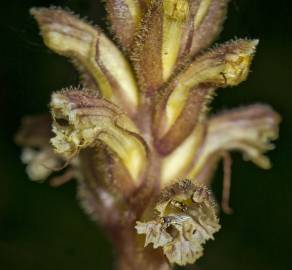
44, 228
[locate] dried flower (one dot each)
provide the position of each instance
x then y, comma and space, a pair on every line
137, 137
185, 220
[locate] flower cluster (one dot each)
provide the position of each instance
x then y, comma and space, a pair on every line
139, 125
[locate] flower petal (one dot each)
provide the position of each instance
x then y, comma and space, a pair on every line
173, 165
35, 131
98, 59
40, 163
171, 33
154, 233
207, 24
82, 120
183, 250
182, 104
186, 220
248, 130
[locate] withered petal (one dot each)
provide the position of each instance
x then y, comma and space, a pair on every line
248, 129
154, 233
186, 220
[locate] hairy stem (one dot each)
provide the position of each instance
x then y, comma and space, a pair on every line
132, 255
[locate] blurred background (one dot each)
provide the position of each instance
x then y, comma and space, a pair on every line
44, 228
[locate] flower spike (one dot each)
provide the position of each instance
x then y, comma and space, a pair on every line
130, 138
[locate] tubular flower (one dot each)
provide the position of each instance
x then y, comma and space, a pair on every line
137, 136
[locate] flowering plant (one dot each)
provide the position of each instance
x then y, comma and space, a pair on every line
137, 136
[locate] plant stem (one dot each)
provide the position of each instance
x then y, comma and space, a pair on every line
132, 255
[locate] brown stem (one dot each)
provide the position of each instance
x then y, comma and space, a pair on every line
132, 255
